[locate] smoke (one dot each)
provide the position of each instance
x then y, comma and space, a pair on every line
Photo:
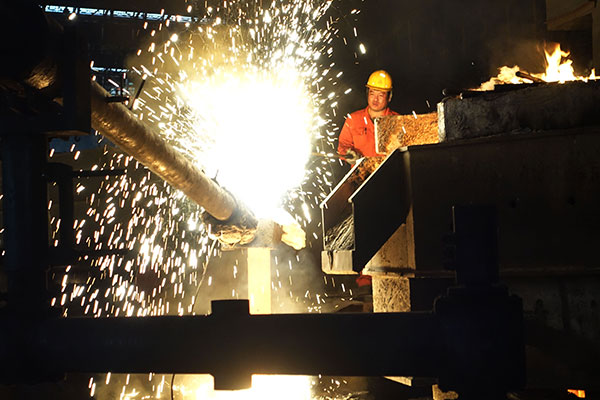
298, 284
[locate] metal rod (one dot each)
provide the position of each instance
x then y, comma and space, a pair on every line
137, 94
527, 75
136, 138
40, 69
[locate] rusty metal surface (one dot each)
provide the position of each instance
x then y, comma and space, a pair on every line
391, 294
396, 131
533, 107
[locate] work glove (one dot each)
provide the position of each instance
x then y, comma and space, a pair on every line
352, 156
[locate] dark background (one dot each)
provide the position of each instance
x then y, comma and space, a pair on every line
430, 45
426, 45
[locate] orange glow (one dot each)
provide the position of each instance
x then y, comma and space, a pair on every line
578, 393
559, 68
264, 387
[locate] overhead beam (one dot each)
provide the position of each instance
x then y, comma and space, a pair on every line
170, 7
565, 20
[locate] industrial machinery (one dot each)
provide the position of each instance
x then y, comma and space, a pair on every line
445, 221
471, 341
531, 152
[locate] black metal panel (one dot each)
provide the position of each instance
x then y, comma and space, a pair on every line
379, 206
546, 187
336, 206
232, 343
475, 233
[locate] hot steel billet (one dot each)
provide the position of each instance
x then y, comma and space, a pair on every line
137, 139
41, 69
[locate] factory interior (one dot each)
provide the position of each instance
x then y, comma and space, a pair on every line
177, 222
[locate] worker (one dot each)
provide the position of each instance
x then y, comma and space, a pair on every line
357, 138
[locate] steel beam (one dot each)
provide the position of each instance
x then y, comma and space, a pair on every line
472, 342
171, 7
230, 344
25, 219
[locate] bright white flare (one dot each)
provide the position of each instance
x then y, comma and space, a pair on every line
264, 387
254, 131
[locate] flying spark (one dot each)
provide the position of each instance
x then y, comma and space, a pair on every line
246, 93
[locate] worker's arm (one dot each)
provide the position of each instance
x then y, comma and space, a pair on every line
346, 146
345, 141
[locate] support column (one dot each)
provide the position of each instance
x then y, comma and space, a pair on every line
25, 219
259, 279
596, 37
244, 272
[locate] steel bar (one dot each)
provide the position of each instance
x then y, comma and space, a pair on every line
231, 346
113, 120
527, 75
136, 138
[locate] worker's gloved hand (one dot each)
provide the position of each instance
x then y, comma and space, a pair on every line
352, 156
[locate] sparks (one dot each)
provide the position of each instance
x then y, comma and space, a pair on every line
247, 95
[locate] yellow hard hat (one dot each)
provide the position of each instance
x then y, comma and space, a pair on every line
380, 80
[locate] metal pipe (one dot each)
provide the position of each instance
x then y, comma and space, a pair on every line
41, 70
136, 138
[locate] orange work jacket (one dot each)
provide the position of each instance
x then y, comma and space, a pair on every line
358, 133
